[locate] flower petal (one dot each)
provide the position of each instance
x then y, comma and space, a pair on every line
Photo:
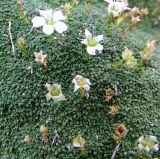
91, 50
84, 41
48, 86
141, 139
57, 15
48, 96
99, 47
76, 87
48, 29
46, 13
58, 98
153, 138
140, 147
156, 147
38, 21
88, 81
147, 148
88, 34
99, 38
60, 27
87, 87
109, 1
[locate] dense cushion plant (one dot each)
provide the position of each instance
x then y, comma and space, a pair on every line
23, 103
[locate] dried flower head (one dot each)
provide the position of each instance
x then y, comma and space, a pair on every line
135, 19
148, 52
113, 110
79, 141
28, 140
75, 2
148, 143
109, 94
67, 8
40, 58
43, 129
120, 129
19, 3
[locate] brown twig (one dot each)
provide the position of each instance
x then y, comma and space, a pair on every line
11, 40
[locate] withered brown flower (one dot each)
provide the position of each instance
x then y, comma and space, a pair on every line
109, 94
120, 129
113, 110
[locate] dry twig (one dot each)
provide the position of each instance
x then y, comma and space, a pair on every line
11, 40
116, 150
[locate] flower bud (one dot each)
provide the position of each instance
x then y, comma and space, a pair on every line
21, 43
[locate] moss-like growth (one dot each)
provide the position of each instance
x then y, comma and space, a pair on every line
23, 95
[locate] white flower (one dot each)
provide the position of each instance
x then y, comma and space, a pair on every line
50, 20
92, 43
54, 93
148, 143
116, 7
40, 58
81, 83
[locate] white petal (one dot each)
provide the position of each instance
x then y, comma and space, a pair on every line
87, 87
88, 81
74, 81
76, 87
153, 138
141, 139
140, 147
99, 38
48, 86
59, 98
46, 13
60, 27
88, 34
156, 147
99, 47
91, 50
84, 41
48, 29
76, 145
44, 56
109, 1
38, 22
57, 15
87, 95
48, 96
147, 148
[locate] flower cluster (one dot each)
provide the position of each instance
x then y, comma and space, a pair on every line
53, 20
116, 7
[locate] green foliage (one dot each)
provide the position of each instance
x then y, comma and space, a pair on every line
23, 103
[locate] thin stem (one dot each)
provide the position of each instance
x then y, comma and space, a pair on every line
11, 40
